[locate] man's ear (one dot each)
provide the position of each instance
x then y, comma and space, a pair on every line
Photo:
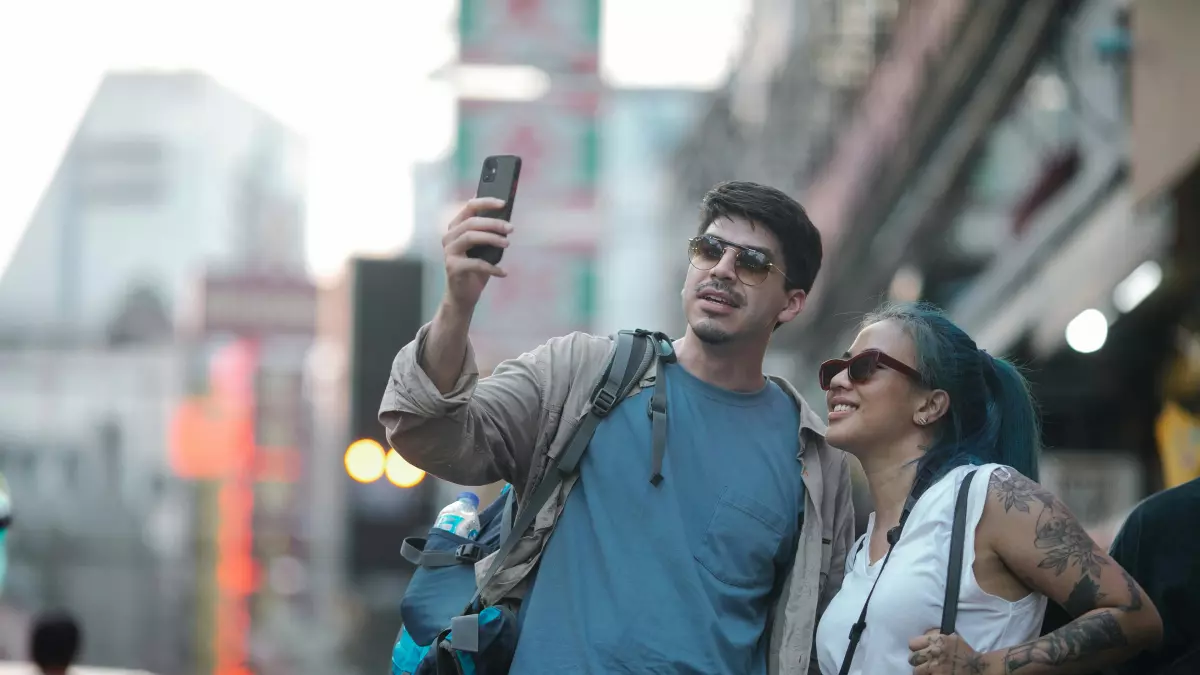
796, 300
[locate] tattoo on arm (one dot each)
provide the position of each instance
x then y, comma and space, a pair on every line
1065, 543
1073, 641
1065, 546
1135, 594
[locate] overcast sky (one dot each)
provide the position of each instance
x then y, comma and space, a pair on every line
320, 71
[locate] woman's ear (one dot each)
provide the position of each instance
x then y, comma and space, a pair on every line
934, 407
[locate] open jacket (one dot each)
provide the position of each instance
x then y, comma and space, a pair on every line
511, 425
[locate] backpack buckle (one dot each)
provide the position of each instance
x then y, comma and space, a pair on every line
604, 402
471, 553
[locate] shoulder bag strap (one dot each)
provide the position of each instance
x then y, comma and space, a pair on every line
631, 357
958, 538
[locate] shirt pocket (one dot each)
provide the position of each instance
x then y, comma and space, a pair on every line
741, 541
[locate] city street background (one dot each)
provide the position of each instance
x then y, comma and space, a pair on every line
219, 222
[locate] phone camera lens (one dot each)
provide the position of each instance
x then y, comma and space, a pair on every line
489, 171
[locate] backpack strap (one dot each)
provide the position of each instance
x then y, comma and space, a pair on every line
413, 550
631, 356
958, 538
658, 408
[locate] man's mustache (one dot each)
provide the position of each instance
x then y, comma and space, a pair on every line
722, 287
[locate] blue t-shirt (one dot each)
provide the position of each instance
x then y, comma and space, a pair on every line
678, 578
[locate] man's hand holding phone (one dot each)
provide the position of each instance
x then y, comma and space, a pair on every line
473, 246
466, 277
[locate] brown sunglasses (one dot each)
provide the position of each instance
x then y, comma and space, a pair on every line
751, 265
861, 366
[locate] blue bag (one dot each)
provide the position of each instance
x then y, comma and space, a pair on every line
446, 629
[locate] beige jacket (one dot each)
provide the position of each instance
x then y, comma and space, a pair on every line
509, 426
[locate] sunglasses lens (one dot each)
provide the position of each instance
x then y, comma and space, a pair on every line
752, 267
861, 367
705, 252
828, 371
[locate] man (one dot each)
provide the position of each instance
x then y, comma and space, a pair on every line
724, 565
54, 643
1158, 547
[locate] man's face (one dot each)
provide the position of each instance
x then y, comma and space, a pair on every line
719, 304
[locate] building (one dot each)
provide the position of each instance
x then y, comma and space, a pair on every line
171, 184
641, 130
979, 156
103, 527
169, 175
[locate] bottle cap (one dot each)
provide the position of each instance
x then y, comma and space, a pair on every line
470, 497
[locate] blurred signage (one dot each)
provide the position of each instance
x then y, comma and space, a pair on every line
1098, 487
556, 35
1178, 444
557, 137
255, 305
550, 291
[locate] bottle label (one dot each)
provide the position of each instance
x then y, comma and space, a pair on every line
449, 522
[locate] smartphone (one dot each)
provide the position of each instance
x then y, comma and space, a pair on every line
499, 180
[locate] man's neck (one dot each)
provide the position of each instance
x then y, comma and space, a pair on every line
890, 475
736, 367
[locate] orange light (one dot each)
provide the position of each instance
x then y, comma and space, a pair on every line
365, 460
401, 473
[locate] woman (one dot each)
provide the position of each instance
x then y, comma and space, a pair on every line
922, 407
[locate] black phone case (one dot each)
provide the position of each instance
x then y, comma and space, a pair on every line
502, 186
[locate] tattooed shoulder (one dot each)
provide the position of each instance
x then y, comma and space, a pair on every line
1014, 491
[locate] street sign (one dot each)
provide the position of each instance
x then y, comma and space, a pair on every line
557, 137
555, 35
258, 305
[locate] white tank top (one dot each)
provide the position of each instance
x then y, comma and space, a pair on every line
908, 601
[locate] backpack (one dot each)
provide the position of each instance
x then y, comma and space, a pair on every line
446, 630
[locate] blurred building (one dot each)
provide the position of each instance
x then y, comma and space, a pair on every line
102, 526
641, 130
130, 275
169, 175
978, 155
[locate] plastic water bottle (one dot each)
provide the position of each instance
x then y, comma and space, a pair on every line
461, 517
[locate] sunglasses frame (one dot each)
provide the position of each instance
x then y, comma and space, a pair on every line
875, 357
741, 250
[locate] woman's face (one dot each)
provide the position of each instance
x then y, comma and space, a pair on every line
886, 405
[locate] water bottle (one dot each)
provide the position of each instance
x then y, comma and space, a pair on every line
461, 517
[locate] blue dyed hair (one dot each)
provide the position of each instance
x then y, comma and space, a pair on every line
992, 417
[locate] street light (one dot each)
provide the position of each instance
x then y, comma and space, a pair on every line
365, 460
1088, 331
400, 473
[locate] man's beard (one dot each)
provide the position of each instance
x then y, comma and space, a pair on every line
710, 334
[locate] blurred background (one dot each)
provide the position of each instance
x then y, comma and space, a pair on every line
220, 221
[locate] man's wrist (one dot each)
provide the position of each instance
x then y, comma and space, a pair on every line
451, 314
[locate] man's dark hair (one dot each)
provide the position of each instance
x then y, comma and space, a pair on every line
55, 641
779, 213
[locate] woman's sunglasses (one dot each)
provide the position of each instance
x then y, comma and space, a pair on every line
752, 266
861, 366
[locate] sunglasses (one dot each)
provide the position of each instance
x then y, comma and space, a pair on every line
861, 366
751, 265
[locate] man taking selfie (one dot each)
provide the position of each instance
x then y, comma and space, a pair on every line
717, 557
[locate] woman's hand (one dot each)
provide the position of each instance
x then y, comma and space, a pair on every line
934, 653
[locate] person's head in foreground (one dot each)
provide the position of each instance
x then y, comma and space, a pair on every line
914, 386
753, 263
55, 642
